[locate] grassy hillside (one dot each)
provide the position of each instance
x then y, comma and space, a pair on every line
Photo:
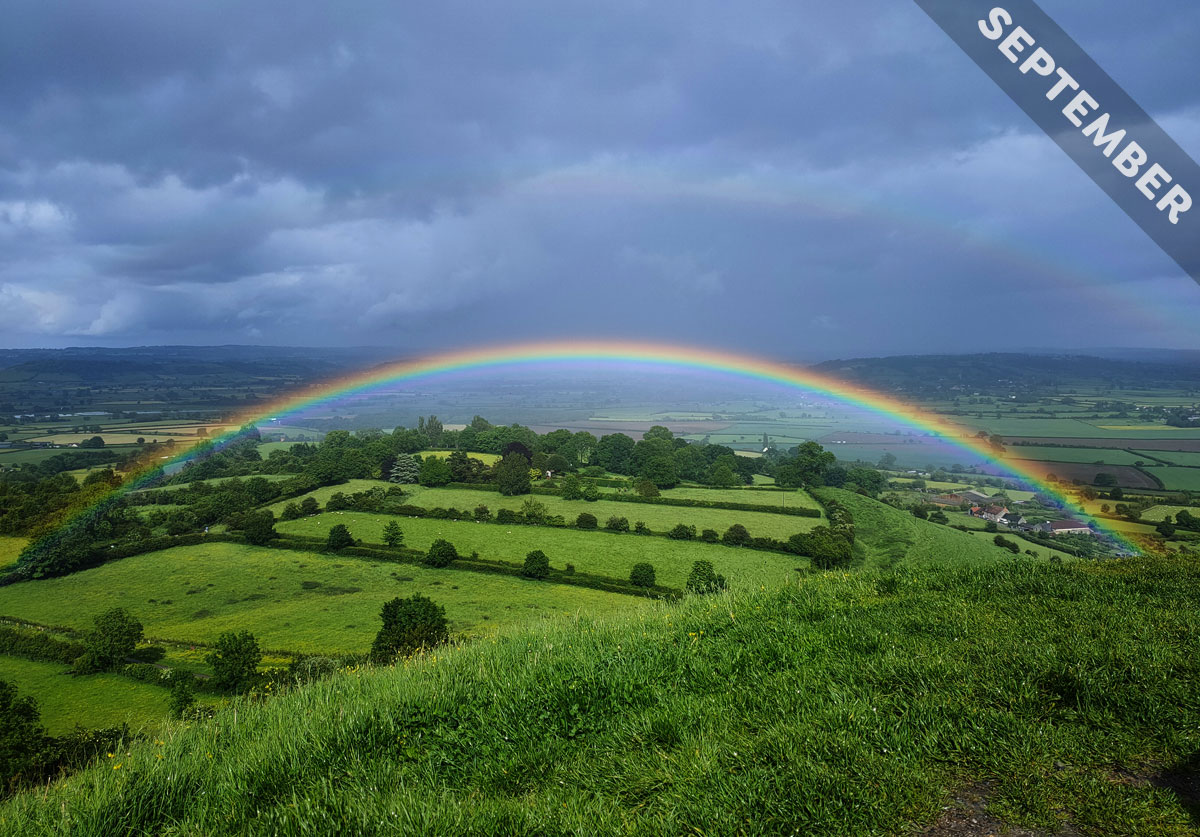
842, 704
290, 600
10, 549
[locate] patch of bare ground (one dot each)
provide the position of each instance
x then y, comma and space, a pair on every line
967, 816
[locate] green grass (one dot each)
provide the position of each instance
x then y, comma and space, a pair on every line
1157, 513
10, 550
96, 700
289, 600
795, 498
1109, 456
849, 705
602, 553
1177, 479
888, 537
1176, 457
485, 458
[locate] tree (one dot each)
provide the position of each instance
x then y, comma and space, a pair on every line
703, 578
586, 521
94, 442
183, 697
736, 535
591, 493
409, 625
405, 471
572, 488
434, 472
642, 575
645, 488
259, 527
557, 463
339, 538
291, 512
338, 501
234, 660
660, 470
710, 536
23, 740
114, 635
534, 511
483, 514
441, 553
827, 548
806, 467
537, 565
392, 534
938, 516
511, 475
617, 524
723, 475
682, 532
310, 506
640, 528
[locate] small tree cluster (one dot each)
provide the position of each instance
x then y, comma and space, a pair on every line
703, 578
409, 625
441, 553
736, 535
537, 565
682, 532
586, 521
617, 524
114, 635
234, 660
642, 575
339, 538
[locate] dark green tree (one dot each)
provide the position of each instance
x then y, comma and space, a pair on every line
537, 565
392, 534
22, 738
617, 524
259, 527
682, 532
586, 521
310, 506
234, 661
645, 487
183, 697
736, 535
114, 635
441, 553
703, 578
339, 538
642, 575
434, 472
572, 488
511, 475
409, 625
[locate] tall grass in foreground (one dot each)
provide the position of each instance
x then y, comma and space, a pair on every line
845, 704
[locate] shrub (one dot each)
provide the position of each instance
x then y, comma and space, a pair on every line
309, 505
114, 636
641, 528
642, 575
569, 569
827, 548
483, 514
393, 536
704, 579
572, 488
234, 660
682, 532
441, 553
507, 516
339, 537
183, 697
337, 502
710, 536
1004, 542
617, 524
591, 493
586, 521
938, 516
409, 625
646, 488
291, 512
537, 565
38, 645
736, 535
534, 511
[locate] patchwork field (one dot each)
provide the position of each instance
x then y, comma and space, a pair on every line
1190, 459
1177, 479
1107, 456
602, 553
294, 601
105, 700
1127, 476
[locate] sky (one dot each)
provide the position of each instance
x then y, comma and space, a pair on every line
798, 179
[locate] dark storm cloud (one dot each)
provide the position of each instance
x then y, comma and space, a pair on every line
802, 179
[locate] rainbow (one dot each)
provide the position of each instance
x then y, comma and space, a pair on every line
643, 354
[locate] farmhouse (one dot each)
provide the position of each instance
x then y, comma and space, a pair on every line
1013, 519
993, 513
948, 500
976, 496
1064, 527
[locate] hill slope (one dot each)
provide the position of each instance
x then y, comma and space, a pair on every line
844, 704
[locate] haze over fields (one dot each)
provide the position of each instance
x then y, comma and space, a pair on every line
419, 177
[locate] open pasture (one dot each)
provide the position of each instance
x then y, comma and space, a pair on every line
1105, 456
597, 552
1177, 479
10, 549
1187, 459
1127, 476
485, 458
104, 700
293, 601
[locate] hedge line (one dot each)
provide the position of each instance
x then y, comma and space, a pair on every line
39, 646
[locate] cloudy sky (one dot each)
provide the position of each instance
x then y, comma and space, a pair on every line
807, 180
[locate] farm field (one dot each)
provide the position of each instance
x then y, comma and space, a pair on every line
1156, 513
791, 498
10, 549
598, 552
1054, 429
485, 458
1177, 479
1190, 459
293, 601
105, 700
1127, 476
1108, 456
1153, 443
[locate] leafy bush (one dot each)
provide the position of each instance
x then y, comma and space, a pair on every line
736, 535
710, 536
646, 488
827, 548
641, 528
339, 538
537, 565
483, 514
1004, 542
309, 506
38, 645
234, 661
703, 578
291, 512
682, 532
114, 636
183, 697
642, 575
617, 524
409, 625
507, 516
586, 521
441, 553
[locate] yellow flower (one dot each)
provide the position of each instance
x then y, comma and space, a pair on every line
117, 766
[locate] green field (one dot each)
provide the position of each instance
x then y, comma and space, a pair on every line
96, 700
1048, 453
602, 553
10, 549
794, 498
1177, 479
485, 458
1068, 427
1063, 696
293, 601
1175, 457
1157, 513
